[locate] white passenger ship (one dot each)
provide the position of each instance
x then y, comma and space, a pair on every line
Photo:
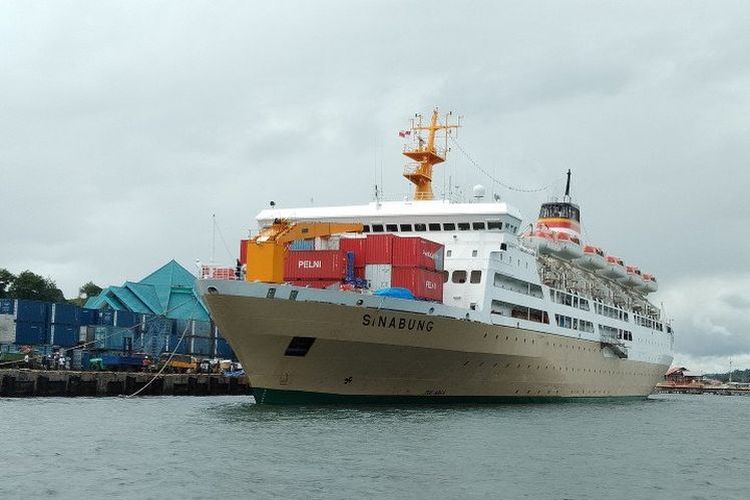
526, 315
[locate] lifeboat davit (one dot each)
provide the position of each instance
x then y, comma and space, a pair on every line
632, 277
649, 283
615, 268
569, 246
593, 258
543, 241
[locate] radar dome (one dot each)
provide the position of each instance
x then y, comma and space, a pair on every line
479, 191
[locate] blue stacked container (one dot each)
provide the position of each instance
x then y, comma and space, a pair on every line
32, 318
200, 346
64, 335
65, 320
126, 319
89, 317
65, 314
7, 306
302, 245
157, 332
106, 317
31, 333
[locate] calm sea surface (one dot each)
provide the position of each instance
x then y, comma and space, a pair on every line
227, 447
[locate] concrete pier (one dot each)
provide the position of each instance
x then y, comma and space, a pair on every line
39, 383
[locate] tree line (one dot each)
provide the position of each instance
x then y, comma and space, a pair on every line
31, 286
742, 376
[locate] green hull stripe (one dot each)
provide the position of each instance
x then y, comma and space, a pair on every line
279, 397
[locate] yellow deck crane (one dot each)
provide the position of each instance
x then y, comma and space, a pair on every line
266, 252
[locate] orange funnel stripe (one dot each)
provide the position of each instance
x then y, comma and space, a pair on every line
553, 222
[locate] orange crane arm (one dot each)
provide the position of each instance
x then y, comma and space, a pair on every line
309, 230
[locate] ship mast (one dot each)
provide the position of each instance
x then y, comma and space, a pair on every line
426, 154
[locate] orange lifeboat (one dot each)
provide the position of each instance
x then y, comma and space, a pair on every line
542, 240
632, 277
569, 246
615, 268
593, 258
649, 283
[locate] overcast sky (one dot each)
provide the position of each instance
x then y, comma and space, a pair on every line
125, 125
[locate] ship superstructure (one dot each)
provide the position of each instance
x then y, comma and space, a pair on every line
525, 314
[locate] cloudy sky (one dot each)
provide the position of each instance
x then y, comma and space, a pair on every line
125, 125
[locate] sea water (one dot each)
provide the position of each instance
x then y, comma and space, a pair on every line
668, 446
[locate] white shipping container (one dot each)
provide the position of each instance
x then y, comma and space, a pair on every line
378, 276
7, 329
330, 243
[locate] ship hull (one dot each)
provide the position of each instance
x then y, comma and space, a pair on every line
370, 356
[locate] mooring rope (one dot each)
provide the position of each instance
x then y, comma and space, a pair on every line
169, 359
493, 178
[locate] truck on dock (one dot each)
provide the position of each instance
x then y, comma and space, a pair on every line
118, 362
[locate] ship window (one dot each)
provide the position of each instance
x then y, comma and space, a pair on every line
476, 277
445, 276
518, 286
449, 226
377, 228
448, 253
391, 228
494, 225
464, 226
299, 346
519, 311
503, 246
477, 226
420, 227
366, 228
474, 253
435, 226
406, 228
459, 277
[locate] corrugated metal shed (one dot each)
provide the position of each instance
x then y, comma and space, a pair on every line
168, 291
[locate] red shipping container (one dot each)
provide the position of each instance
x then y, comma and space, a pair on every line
417, 252
315, 265
358, 246
424, 284
243, 251
379, 249
314, 283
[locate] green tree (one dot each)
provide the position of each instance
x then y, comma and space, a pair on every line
28, 285
6, 280
86, 291
89, 290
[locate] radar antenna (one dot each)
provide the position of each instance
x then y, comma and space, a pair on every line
425, 153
